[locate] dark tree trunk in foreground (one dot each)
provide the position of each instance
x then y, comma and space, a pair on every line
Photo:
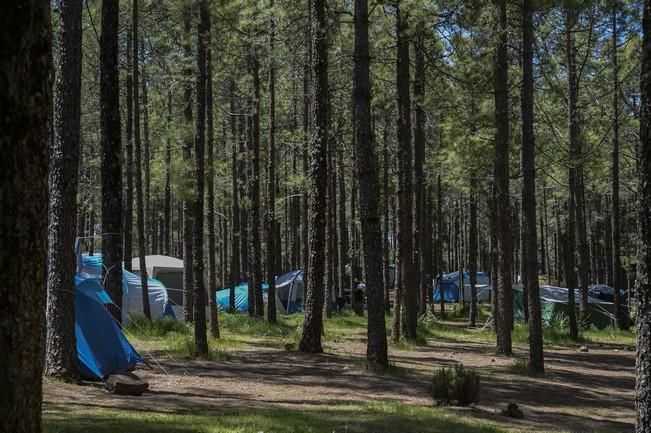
128, 171
369, 190
616, 238
188, 184
317, 180
643, 283
61, 350
271, 180
140, 210
536, 357
25, 71
111, 156
503, 205
200, 337
408, 273
210, 185
256, 306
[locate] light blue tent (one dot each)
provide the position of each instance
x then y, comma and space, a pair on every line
90, 267
102, 348
241, 297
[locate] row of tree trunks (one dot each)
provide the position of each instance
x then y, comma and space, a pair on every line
270, 220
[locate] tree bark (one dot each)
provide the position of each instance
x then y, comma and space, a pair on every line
474, 245
25, 107
503, 205
536, 356
128, 172
376, 349
419, 181
61, 350
140, 215
271, 178
236, 272
254, 243
317, 178
111, 157
643, 283
188, 184
203, 40
408, 273
616, 235
210, 186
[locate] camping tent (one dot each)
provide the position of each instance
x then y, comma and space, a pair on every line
167, 270
102, 348
606, 293
289, 294
553, 302
241, 296
450, 284
289, 291
91, 268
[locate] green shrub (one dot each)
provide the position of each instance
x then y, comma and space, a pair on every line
455, 385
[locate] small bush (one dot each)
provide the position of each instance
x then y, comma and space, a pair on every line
455, 385
520, 366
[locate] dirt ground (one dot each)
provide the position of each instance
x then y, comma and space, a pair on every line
581, 391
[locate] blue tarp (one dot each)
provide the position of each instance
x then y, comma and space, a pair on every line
451, 285
241, 297
102, 348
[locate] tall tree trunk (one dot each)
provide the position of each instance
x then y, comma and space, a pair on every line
140, 216
307, 100
25, 109
616, 254
168, 180
236, 272
148, 214
111, 157
61, 350
317, 177
575, 198
536, 357
376, 348
128, 172
343, 228
643, 282
503, 205
419, 181
439, 243
255, 246
203, 40
408, 273
576, 156
385, 217
474, 246
188, 279
271, 178
210, 186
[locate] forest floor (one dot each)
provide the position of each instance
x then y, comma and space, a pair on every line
257, 382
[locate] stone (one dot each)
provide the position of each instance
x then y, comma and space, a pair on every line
583, 349
513, 411
126, 384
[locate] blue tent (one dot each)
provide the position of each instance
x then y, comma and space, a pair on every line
102, 348
241, 296
90, 267
451, 284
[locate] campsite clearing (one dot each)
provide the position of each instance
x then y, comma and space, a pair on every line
257, 384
